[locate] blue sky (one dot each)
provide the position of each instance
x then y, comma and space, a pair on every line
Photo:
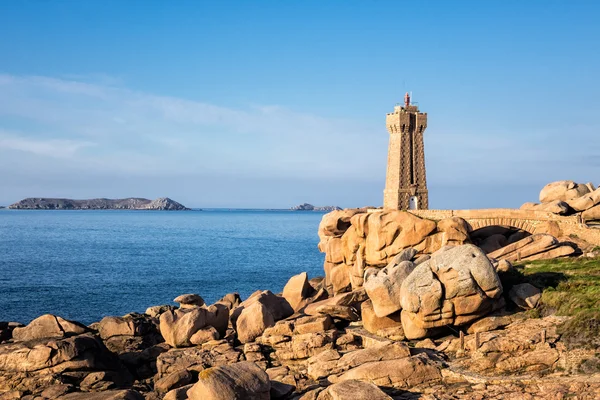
271, 104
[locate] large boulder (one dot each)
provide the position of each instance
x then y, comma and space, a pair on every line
82, 352
347, 300
260, 311
387, 326
353, 389
177, 327
380, 352
173, 380
277, 305
218, 317
386, 233
399, 373
243, 380
335, 223
464, 269
338, 277
525, 295
535, 247
591, 214
457, 285
189, 300
384, 288
563, 191
195, 323
231, 300
334, 250
297, 290
556, 207
203, 335
452, 231
525, 247
455, 229
128, 325
561, 250
48, 326
253, 321
586, 201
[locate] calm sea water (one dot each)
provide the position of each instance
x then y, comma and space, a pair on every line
84, 265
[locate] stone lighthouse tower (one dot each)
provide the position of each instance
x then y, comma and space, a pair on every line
405, 183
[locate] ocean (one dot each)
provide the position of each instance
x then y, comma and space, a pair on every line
84, 265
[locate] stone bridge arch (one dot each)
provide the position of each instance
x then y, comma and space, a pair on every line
529, 221
521, 224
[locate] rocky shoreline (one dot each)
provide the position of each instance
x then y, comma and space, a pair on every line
308, 343
162, 203
408, 309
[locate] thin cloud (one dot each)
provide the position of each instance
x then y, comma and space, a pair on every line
179, 134
49, 148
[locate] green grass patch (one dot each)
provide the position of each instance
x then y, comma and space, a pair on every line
571, 287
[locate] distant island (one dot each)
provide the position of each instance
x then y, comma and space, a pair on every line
132, 203
310, 207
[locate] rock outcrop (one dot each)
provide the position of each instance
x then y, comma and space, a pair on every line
355, 240
564, 191
534, 247
48, 326
567, 198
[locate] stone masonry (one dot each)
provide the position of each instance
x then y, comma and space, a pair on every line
406, 185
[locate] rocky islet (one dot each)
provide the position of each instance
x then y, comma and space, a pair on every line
132, 203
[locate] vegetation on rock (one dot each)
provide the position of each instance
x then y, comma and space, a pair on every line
571, 287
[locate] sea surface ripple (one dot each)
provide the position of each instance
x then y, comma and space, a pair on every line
84, 265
